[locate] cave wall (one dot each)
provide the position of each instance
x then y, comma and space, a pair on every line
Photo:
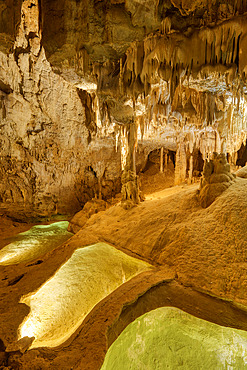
47, 163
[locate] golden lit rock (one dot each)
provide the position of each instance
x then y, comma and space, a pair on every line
58, 308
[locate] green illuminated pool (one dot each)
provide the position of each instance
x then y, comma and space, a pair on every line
168, 338
33, 243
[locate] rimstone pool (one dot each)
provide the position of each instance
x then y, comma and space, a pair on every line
33, 243
58, 308
169, 338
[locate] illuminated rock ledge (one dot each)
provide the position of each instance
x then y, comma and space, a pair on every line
35, 242
61, 304
168, 338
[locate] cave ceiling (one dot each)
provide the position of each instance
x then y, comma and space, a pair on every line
180, 59
194, 51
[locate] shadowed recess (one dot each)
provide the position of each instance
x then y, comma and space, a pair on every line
168, 338
61, 304
31, 244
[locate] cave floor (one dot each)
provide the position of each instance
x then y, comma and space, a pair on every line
200, 265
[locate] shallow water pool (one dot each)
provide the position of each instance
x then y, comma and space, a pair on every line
58, 308
169, 338
33, 243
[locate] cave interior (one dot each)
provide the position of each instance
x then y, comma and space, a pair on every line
123, 182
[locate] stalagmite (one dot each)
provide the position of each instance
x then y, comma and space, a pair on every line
216, 179
166, 160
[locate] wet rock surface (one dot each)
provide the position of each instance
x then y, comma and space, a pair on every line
170, 338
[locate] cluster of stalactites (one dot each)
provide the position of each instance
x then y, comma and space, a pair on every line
174, 57
169, 75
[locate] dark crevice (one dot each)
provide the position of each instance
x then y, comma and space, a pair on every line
242, 155
15, 280
20, 50
3, 356
31, 35
237, 53
90, 169
5, 88
31, 5
2, 346
35, 263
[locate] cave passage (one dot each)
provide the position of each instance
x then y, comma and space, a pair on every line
59, 307
31, 244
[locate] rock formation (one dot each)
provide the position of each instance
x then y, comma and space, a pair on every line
90, 208
130, 185
216, 179
242, 172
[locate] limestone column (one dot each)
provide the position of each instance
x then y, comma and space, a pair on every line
161, 160
130, 186
181, 163
166, 160
191, 169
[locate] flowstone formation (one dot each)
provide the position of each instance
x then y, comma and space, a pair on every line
242, 172
216, 179
90, 208
130, 189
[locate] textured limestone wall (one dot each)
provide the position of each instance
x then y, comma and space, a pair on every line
44, 140
47, 164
